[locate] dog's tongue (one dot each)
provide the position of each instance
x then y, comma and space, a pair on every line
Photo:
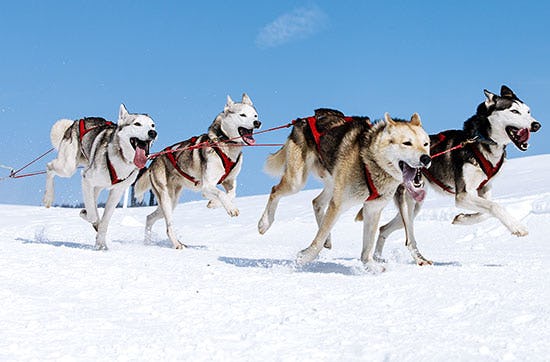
140, 158
523, 135
417, 193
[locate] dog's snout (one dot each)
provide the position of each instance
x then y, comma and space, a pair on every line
152, 133
426, 160
257, 124
535, 126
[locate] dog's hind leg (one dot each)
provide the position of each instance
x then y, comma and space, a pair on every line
477, 217
319, 206
293, 180
469, 198
331, 216
64, 165
166, 205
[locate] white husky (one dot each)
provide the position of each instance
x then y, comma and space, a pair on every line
200, 164
111, 155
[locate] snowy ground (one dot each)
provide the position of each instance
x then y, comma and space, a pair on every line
236, 295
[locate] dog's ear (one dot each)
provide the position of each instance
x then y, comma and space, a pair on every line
228, 104
507, 92
122, 112
491, 98
388, 119
246, 99
415, 120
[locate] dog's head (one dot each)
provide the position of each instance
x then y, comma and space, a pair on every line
406, 147
136, 133
239, 120
509, 118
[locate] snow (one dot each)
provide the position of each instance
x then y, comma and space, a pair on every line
236, 295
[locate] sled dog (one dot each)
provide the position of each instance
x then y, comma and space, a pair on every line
111, 155
358, 162
200, 164
467, 172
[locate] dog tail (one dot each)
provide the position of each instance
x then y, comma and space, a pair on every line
143, 184
58, 131
275, 163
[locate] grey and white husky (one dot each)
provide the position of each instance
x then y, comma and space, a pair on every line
200, 164
467, 172
111, 155
359, 163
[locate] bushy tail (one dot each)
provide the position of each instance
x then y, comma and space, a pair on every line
58, 131
275, 163
142, 185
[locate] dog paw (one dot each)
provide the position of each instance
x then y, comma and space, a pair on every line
378, 258
306, 256
459, 219
180, 246
101, 246
421, 261
264, 224
520, 230
213, 204
328, 243
373, 267
233, 212
47, 201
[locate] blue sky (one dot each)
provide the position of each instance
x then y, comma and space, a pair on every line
177, 61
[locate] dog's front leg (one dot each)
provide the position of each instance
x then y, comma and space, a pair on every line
371, 217
408, 210
209, 181
470, 200
114, 197
470, 219
230, 186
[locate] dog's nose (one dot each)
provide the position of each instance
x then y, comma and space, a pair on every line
535, 126
426, 160
152, 133
257, 124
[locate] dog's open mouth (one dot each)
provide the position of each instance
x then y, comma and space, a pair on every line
520, 137
142, 151
412, 179
246, 135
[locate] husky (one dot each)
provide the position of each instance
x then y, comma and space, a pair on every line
467, 171
358, 162
111, 154
200, 164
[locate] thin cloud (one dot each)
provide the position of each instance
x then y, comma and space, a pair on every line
300, 23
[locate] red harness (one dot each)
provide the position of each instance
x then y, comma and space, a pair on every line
486, 166
83, 131
312, 123
82, 127
228, 164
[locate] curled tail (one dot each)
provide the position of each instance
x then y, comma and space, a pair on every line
275, 163
143, 184
58, 131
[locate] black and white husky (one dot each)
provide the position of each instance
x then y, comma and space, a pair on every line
200, 164
467, 172
111, 155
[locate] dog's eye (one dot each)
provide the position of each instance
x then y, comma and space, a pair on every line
255, 116
242, 115
426, 144
137, 124
515, 111
407, 143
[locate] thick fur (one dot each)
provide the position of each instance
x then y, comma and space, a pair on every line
203, 164
344, 151
493, 127
123, 144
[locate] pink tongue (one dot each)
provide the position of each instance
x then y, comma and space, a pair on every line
523, 135
140, 158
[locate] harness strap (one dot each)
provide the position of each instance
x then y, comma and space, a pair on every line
174, 162
112, 172
373, 191
83, 131
488, 169
228, 164
436, 181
